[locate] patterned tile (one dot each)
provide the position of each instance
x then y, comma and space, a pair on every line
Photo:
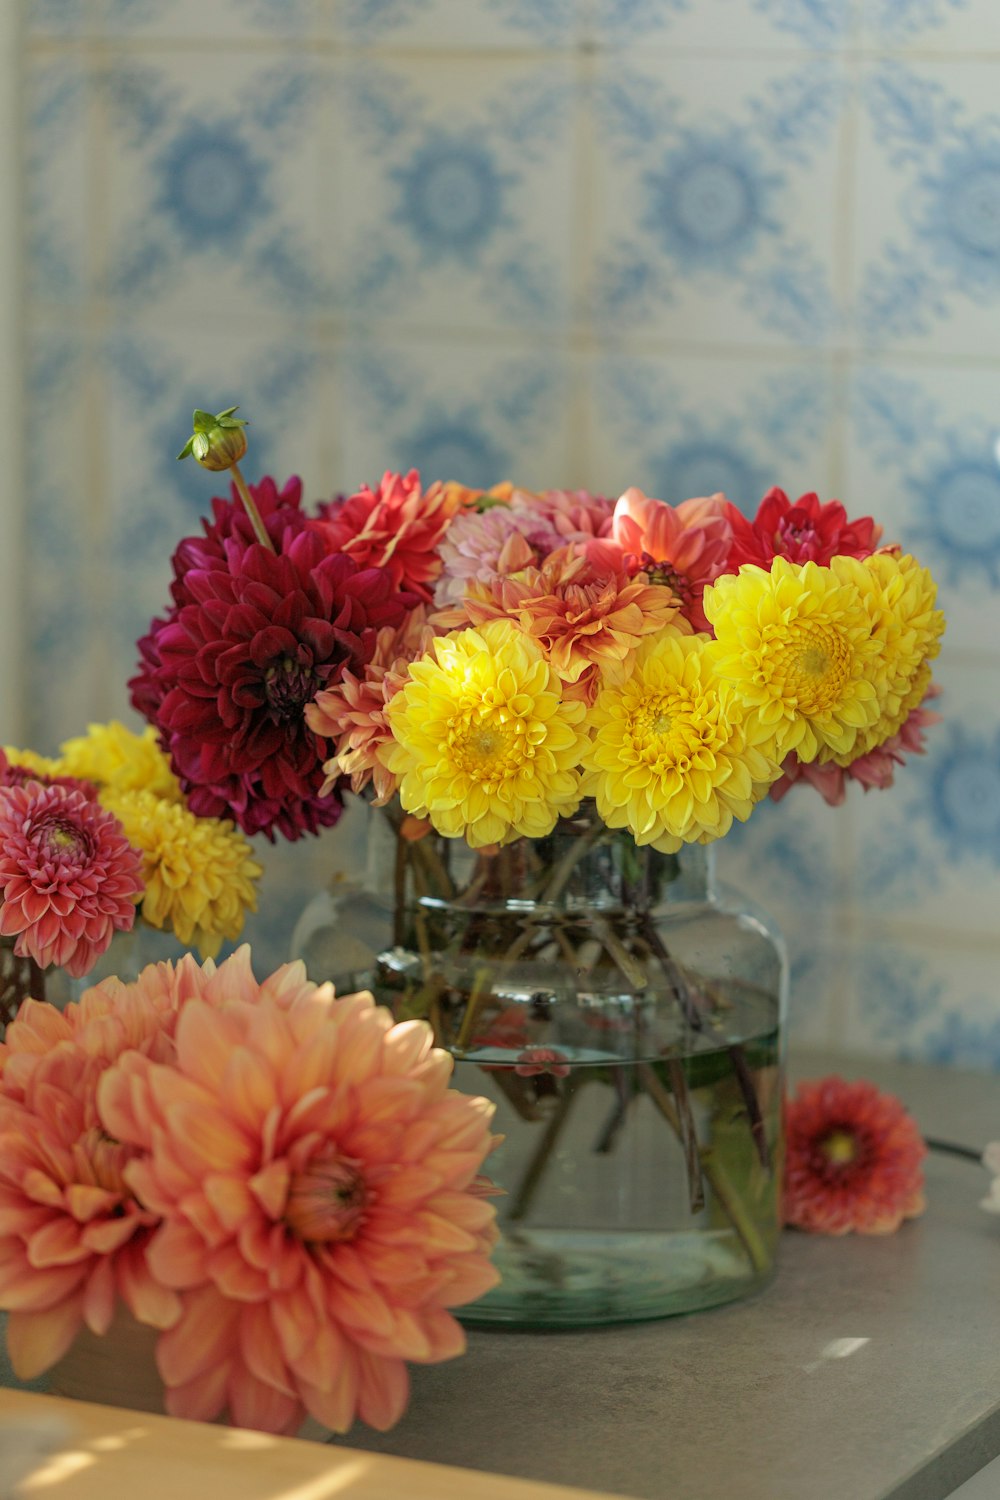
925, 1004
945, 26
923, 454
772, 25
440, 25
191, 20
692, 425
457, 194
203, 218
58, 178
715, 219
927, 220
453, 411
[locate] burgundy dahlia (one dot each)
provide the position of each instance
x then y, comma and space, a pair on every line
251, 639
806, 531
69, 879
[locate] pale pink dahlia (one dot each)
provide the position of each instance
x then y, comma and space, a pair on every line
683, 546
317, 1180
69, 879
480, 546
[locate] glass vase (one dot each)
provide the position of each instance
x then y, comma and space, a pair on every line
20, 979
625, 1016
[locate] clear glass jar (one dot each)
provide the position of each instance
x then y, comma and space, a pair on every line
625, 1016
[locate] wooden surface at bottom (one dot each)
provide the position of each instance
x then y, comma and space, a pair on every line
107, 1451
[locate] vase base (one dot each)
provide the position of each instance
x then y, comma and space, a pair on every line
562, 1279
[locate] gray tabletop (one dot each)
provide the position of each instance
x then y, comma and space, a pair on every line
869, 1369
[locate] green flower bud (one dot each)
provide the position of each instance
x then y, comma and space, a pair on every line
217, 442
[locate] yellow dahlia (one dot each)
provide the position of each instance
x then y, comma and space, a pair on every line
483, 742
199, 873
899, 596
112, 756
796, 643
675, 755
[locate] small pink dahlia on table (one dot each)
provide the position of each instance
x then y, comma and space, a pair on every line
853, 1159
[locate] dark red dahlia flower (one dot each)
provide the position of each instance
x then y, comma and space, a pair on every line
808, 531
252, 637
230, 531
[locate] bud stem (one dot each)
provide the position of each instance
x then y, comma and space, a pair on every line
249, 505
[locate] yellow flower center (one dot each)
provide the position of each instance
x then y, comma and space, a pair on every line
813, 668
839, 1148
489, 743
665, 732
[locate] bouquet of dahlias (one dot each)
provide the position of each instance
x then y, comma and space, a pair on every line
279, 1183
92, 838
549, 696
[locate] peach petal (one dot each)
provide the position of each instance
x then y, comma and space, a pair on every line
57, 1243
205, 1041
360, 1309
177, 1255
270, 1188
205, 1338
254, 1404
470, 1278
206, 1137
108, 1235
383, 1390
406, 1046
318, 1363
35, 1340
249, 1086
294, 1322
99, 1298
201, 1399
144, 1297
385, 1100
234, 1277
230, 1199
336, 1407
261, 1351
85, 1202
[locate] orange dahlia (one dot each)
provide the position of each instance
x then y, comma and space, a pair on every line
317, 1181
853, 1160
683, 546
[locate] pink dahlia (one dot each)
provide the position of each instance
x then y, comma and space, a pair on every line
69, 879
397, 526
318, 1185
682, 546
481, 546
807, 531
228, 675
853, 1160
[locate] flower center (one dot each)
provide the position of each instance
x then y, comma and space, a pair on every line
665, 574
839, 1147
327, 1201
812, 668
61, 840
665, 733
288, 685
796, 539
489, 743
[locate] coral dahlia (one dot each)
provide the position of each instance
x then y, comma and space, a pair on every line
317, 1181
396, 526
68, 877
853, 1159
683, 546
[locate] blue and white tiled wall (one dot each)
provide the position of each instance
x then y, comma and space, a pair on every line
688, 244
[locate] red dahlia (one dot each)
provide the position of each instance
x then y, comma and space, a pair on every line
808, 531
396, 526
